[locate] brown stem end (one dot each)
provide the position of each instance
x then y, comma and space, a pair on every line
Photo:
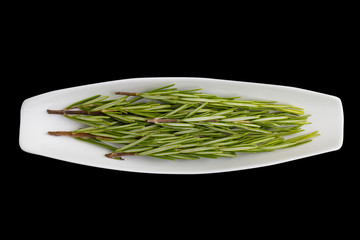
79, 135
69, 112
119, 155
127, 93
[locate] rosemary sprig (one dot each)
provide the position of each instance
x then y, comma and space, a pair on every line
184, 124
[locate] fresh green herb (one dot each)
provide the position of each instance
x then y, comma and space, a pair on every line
185, 124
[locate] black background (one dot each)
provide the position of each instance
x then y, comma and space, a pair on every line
306, 54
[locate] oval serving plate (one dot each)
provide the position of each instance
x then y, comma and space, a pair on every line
326, 117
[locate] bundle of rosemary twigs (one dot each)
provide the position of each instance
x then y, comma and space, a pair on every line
184, 124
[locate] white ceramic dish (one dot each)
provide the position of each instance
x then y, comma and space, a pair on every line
326, 111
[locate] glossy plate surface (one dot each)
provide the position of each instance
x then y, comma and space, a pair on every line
326, 111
